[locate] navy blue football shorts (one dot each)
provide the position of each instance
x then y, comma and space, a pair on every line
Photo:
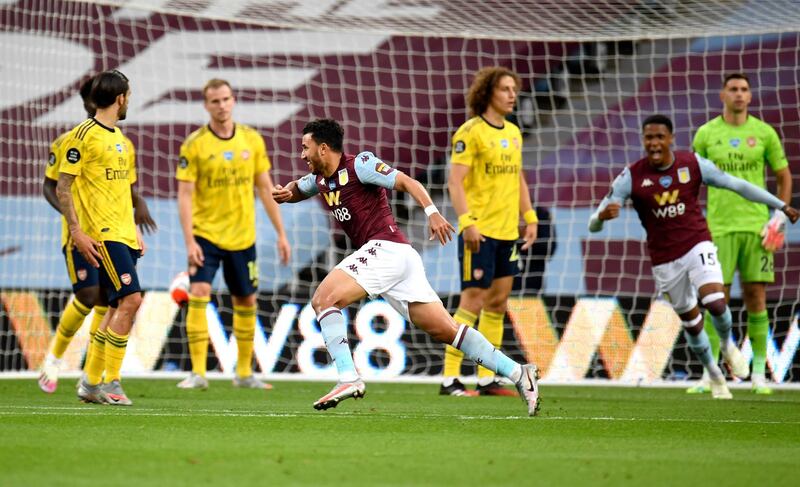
239, 267
495, 259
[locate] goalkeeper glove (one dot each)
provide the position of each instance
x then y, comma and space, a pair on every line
774, 232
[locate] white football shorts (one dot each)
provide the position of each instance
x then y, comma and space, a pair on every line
391, 270
679, 280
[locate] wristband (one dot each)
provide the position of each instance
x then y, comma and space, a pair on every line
530, 217
431, 209
466, 220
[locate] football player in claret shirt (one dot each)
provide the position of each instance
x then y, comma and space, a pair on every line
219, 166
664, 187
96, 161
744, 146
83, 276
353, 187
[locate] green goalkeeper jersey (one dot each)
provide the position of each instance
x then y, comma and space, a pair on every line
743, 152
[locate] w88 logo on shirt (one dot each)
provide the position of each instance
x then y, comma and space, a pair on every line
341, 214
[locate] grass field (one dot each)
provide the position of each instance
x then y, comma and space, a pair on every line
400, 434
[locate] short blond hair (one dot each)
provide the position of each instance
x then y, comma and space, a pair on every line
214, 83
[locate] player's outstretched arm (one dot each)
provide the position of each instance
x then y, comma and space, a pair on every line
714, 177
440, 228
49, 193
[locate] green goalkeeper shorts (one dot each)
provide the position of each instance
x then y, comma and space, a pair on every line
743, 251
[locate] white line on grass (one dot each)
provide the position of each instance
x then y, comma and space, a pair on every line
11, 410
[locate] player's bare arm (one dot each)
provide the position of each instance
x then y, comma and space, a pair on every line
141, 214
527, 212
440, 228
265, 187
458, 198
193, 251
86, 245
288, 194
783, 178
49, 193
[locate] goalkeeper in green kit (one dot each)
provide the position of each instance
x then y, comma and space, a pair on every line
744, 232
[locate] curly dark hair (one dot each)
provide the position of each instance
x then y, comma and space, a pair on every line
480, 92
326, 131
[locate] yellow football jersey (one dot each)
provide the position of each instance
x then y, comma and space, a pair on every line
494, 156
223, 171
101, 159
52, 170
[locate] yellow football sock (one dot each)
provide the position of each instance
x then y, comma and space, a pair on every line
115, 352
244, 328
453, 356
70, 322
197, 333
97, 359
97, 318
491, 326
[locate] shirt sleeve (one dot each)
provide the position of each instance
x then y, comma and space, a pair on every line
187, 164
308, 185
714, 177
464, 150
51, 171
371, 170
776, 157
75, 152
132, 166
262, 162
620, 191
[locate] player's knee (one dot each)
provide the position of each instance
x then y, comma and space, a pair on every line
322, 300
496, 304
88, 296
131, 302
715, 303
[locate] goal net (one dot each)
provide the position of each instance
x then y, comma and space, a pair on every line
395, 74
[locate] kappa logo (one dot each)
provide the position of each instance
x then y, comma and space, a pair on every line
126, 278
647, 183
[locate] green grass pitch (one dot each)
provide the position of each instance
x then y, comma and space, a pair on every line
400, 434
